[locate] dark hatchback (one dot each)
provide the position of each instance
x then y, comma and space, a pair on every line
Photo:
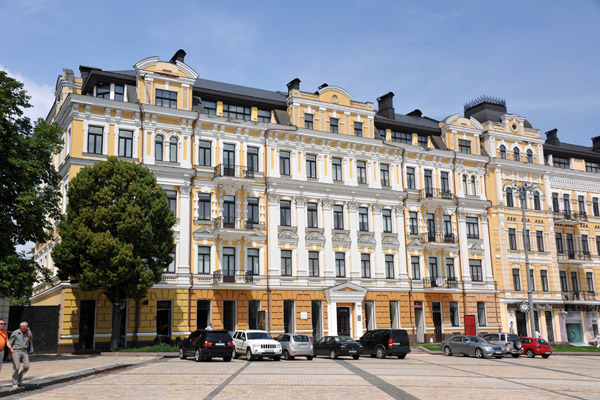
336, 346
386, 342
203, 345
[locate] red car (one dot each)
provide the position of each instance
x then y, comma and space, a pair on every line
533, 347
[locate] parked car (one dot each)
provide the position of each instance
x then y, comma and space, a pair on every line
535, 346
471, 345
293, 344
204, 345
336, 346
386, 342
510, 341
256, 344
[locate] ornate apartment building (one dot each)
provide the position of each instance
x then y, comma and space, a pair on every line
309, 211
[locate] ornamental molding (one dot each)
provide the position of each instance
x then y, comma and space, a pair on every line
390, 241
341, 238
315, 237
287, 235
366, 239
569, 183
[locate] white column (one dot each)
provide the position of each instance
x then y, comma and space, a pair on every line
378, 258
487, 251
332, 318
272, 232
300, 223
183, 256
358, 323
329, 264
354, 264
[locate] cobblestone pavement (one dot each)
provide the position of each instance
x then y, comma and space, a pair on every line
423, 376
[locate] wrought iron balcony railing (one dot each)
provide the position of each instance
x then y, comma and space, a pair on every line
438, 237
574, 255
237, 277
233, 171
570, 216
440, 282
434, 193
227, 222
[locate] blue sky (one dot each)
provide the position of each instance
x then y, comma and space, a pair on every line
543, 57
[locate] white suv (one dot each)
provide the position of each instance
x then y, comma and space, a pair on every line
255, 344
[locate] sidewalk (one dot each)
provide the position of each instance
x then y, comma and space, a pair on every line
52, 369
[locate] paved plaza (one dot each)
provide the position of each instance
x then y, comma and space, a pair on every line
420, 375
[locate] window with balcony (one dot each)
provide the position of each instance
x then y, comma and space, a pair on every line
284, 162
559, 243
338, 217
544, 280
564, 284
286, 263
312, 219
509, 198
450, 273
389, 266
204, 154
336, 167
539, 237
589, 276
172, 199
252, 159
415, 267
253, 210
203, 259
237, 112
166, 98
264, 116
173, 145
464, 146
158, 148
585, 249
384, 170
386, 216
311, 166
308, 121
536, 201
253, 262
413, 223
361, 172
313, 263
95, 137
472, 228
566, 203
428, 181
125, 143
285, 213
340, 265
476, 270
365, 265
333, 125
445, 182
512, 239
171, 267
358, 129
204, 206
410, 178
363, 219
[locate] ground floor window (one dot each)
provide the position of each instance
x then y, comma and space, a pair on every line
481, 317
229, 319
454, 315
163, 320
253, 309
203, 313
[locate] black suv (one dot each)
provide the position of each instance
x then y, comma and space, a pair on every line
386, 342
206, 344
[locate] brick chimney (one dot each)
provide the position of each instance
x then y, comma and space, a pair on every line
294, 84
552, 137
385, 104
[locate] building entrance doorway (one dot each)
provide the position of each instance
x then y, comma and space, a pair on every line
437, 321
343, 321
420, 322
87, 322
521, 323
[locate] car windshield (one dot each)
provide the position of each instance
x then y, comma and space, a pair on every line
542, 341
301, 338
475, 339
258, 335
343, 339
222, 336
513, 338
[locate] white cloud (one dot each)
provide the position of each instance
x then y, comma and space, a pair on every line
42, 96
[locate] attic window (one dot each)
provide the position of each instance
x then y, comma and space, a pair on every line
103, 90
166, 98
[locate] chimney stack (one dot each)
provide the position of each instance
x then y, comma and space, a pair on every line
552, 137
294, 84
178, 56
596, 144
386, 106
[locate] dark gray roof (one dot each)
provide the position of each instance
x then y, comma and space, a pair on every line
410, 122
438, 143
493, 115
572, 150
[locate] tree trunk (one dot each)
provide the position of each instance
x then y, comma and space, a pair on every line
137, 323
117, 313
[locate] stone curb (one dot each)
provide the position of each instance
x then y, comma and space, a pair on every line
141, 354
53, 380
560, 353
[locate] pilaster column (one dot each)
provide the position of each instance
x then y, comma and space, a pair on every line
402, 253
183, 255
354, 270
329, 264
301, 224
273, 263
379, 257
464, 248
487, 250
332, 318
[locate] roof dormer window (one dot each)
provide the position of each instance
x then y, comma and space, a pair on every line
166, 98
103, 90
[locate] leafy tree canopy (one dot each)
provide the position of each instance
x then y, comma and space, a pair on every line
29, 186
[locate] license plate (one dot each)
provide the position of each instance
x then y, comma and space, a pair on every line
220, 344
352, 351
547, 352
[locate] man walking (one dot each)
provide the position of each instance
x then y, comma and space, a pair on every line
20, 340
4, 342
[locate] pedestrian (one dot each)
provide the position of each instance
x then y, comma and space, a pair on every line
538, 335
21, 341
210, 327
4, 342
512, 328
598, 339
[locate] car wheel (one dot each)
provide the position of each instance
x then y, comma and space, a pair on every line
309, 358
249, 356
235, 355
530, 353
227, 358
478, 353
545, 355
356, 357
277, 358
402, 356
515, 355
198, 355
380, 353
181, 353
447, 351
333, 354
286, 355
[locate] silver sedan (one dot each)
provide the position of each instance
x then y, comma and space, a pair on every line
471, 345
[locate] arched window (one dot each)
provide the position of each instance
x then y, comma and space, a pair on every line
473, 190
536, 201
503, 152
530, 156
517, 154
509, 198
158, 148
173, 150
464, 184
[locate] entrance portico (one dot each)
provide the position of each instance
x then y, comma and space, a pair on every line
348, 297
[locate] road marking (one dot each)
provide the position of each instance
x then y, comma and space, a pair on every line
222, 386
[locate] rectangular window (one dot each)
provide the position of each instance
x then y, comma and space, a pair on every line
172, 199
428, 182
561, 162
312, 219
333, 125
423, 140
286, 263
527, 240
472, 228
401, 137
237, 112
389, 266
536, 201
264, 116
516, 274
313, 263
336, 166
589, 277
338, 217
592, 166
481, 317
284, 162
559, 243
285, 213
119, 92
125, 143
574, 281
166, 98
171, 267
544, 279
365, 265
204, 154
253, 210
386, 216
253, 318
413, 224
384, 170
512, 239
311, 166
476, 271
308, 121
363, 219
204, 260
95, 134
209, 107
382, 133
103, 90
358, 129
410, 178
595, 207
581, 205
450, 274
555, 206
361, 172
415, 267
564, 284
584, 245
204, 206
253, 262
454, 315
340, 265
539, 237
252, 159
464, 146
445, 182
532, 278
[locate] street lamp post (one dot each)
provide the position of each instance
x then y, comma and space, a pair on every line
523, 189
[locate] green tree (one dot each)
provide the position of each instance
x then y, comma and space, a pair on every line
29, 187
117, 235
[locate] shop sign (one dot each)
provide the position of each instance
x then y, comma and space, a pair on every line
418, 305
582, 307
